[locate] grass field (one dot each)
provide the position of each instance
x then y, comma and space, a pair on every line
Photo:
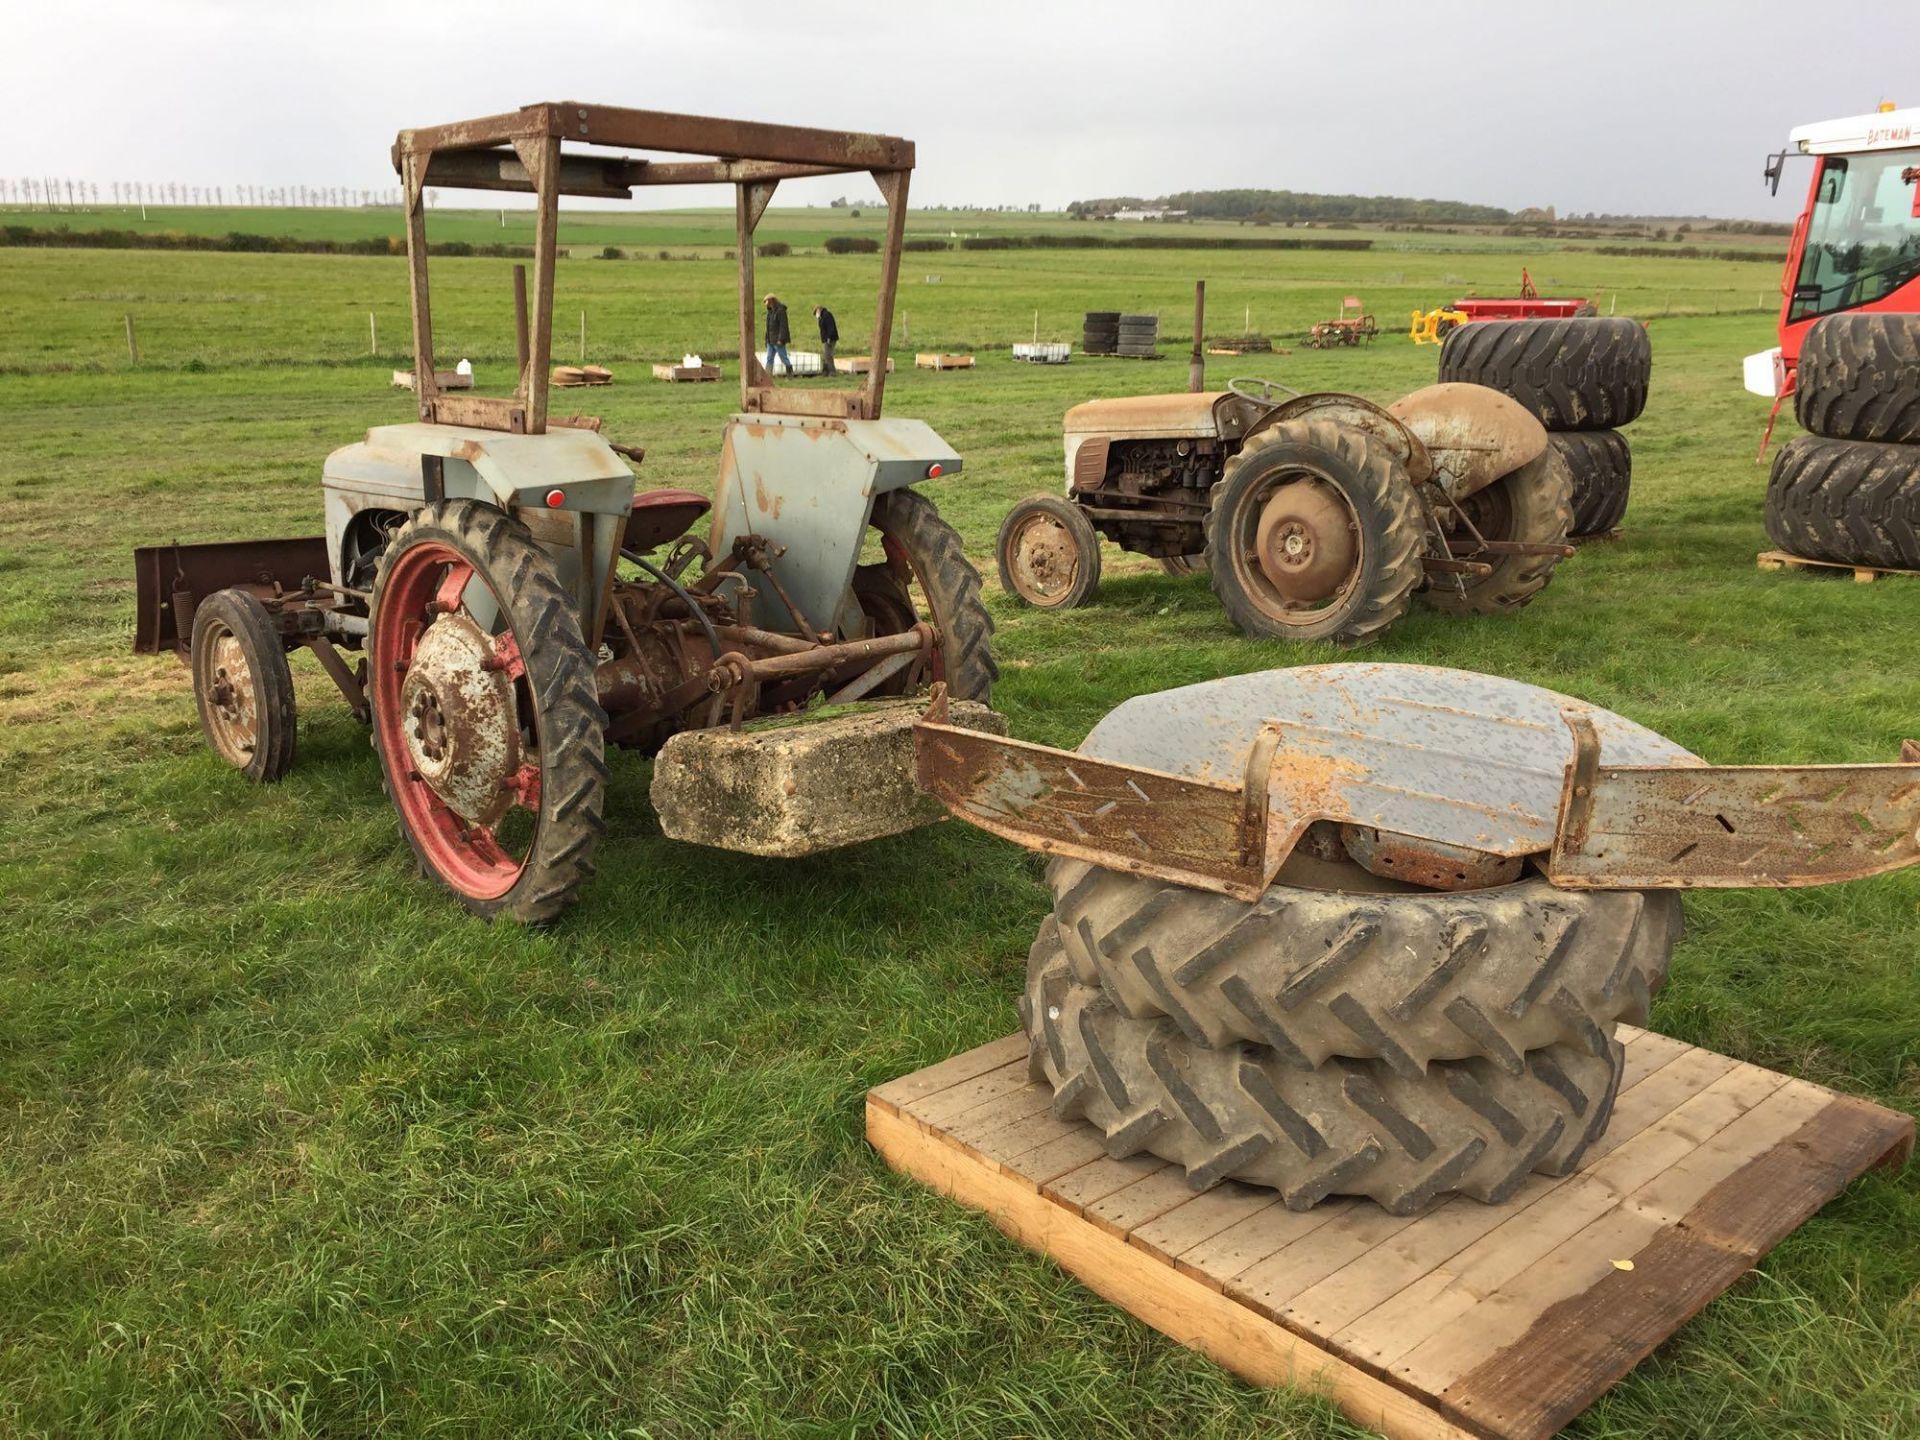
289, 1146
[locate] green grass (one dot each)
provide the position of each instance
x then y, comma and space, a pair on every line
290, 1146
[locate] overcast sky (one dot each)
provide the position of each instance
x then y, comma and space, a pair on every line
1631, 106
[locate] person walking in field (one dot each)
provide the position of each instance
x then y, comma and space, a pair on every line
778, 335
829, 337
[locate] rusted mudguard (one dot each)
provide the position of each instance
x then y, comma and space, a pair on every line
1213, 785
171, 580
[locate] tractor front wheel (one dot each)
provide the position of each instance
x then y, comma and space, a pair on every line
484, 712
1049, 554
1314, 534
242, 685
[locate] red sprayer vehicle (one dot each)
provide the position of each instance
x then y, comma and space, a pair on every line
1856, 245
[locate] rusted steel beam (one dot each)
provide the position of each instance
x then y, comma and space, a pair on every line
411, 170
1723, 826
608, 178
894, 188
732, 172
171, 580
542, 159
663, 131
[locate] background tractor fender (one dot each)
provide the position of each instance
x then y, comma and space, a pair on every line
1381, 424
1473, 434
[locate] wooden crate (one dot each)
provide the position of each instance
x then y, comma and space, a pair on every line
681, 374
859, 364
442, 380
933, 360
1862, 574
1469, 1320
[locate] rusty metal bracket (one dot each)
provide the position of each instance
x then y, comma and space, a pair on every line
1721, 826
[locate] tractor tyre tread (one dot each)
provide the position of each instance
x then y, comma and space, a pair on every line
1858, 378
573, 764
1406, 979
952, 588
275, 728
1348, 1127
1849, 502
1601, 465
1541, 496
1575, 374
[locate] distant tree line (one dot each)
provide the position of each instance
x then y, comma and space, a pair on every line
53, 193
1289, 207
238, 242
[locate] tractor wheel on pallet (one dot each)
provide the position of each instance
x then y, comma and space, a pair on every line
1601, 466
1348, 1127
925, 552
489, 731
1535, 505
1314, 534
1846, 501
1404, 977
1049, 554
1572, 374
1859, 378
242, 685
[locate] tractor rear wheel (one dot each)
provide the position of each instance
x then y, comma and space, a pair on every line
1601, 467
1585, 374
1533, 505
1398, 975
1846, 501
1314, 534
242, 685
925, 554
1348, 1127
1859, 378
485, 717
1048, 553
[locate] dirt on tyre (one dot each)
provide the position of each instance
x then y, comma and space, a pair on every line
1576, 374
1533, 505
1314, 533
1601, 467
485, 716
1347, 1127
1048, 553
1403, 977
242, 685
1846, 501
1859, 378
926, 554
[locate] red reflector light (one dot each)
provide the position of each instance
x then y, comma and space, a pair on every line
556, 498
934, 472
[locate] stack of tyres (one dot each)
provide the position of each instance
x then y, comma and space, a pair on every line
1849, 490
1101, 335
1582, 378
1139, 336
1400, 1045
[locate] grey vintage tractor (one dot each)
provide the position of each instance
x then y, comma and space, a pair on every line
520, 606
1318, 517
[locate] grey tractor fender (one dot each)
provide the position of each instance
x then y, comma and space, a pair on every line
1381, 424
1473, 434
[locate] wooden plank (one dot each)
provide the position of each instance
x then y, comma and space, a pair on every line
1090, 1183
1616, 1234
938, 1109
1189, 1313
1125, 1210
1862, 574
1217, 1259
1595, 1336
1200, 1218
1046, 1163
968, 1065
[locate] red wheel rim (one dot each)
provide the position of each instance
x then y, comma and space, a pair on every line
427, 583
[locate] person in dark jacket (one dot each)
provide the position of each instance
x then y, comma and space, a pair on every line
777, 334
829, 337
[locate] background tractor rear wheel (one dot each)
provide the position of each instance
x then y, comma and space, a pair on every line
485, 717
1587, 374
242, 685
1846, 501
1859, 378
1535, 505
1368, 970
1314, 534
1348, 1127
926, 556
1048, 553
1601, 468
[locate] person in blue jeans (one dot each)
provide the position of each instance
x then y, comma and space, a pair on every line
777, 334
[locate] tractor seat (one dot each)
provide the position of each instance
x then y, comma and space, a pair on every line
662, 515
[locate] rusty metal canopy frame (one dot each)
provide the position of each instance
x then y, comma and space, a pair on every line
527, 151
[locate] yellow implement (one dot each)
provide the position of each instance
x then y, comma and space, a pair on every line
1430, 327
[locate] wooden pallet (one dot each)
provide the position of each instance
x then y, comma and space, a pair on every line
859, 364
1469, 1320
568, 377
1862, 574
442, 380
934, 360
681, 374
